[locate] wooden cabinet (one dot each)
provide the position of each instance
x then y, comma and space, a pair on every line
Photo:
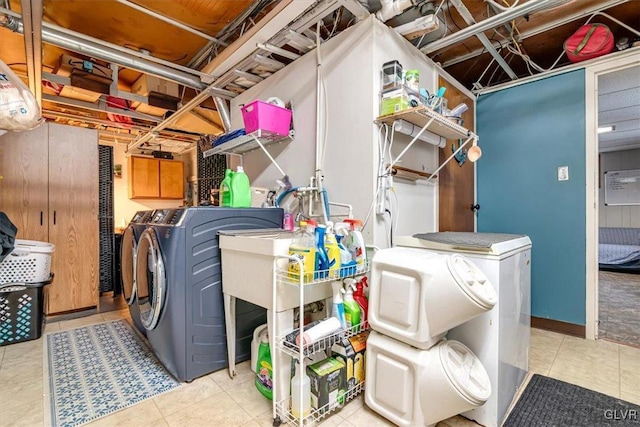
155, 178
50, 191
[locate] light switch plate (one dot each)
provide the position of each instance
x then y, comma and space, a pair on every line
563, 173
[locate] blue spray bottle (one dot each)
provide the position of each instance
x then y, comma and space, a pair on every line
322, 258
337, 309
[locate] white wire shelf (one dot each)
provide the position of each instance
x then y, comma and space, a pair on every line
248, 142
420, 116
283, 410
321, 276
289, 346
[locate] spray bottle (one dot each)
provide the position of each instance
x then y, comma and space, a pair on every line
333, 252
362, 300
347, 263
351, 306
322, 259
356, 243
337, 309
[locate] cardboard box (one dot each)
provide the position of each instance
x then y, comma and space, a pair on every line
148, 109
328, 384
68, 63
394, 101
351, 352
79, 94
147, 84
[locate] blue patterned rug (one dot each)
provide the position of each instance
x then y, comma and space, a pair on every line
100, 369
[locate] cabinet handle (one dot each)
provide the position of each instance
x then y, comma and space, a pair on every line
54, 217
41, 217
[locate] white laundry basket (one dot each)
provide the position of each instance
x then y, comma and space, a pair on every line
29, 262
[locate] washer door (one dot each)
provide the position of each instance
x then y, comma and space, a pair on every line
128, 265
151, 279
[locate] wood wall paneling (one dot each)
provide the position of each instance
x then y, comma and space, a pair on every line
24, 187
73, 218
456, 184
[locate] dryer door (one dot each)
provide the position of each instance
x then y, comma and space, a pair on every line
151, 278
128, 265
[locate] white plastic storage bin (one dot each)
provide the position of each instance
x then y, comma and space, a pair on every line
416, 297
29, 262
412, 387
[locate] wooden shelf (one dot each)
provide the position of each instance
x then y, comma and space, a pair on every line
419, 116
246, 143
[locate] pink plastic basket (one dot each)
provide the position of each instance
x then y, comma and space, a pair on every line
267, 117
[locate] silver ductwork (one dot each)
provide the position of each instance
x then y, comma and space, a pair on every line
105, 53
223, 111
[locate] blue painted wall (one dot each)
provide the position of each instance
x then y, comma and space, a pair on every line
526, 132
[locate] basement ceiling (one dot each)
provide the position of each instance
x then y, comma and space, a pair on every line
222, 47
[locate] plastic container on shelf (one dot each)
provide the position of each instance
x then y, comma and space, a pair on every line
267, 117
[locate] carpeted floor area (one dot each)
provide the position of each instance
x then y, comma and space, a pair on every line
619, 307
549, 402
96, 370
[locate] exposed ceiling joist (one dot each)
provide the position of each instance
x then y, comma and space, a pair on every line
32, 22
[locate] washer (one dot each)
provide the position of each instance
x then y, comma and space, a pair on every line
500, 337
128, 250
179, 287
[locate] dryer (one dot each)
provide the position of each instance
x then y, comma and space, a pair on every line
179, 287
128, 249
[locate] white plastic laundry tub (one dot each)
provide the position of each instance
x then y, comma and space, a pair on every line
412, 387
416, 296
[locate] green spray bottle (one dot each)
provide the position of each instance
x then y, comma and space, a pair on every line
351, 306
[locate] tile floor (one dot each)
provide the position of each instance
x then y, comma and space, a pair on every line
619, 307
215, 399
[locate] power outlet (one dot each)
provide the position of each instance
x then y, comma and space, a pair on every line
563, 173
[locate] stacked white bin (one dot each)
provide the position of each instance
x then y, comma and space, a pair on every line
415, 376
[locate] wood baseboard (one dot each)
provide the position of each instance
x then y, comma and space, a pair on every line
558, 326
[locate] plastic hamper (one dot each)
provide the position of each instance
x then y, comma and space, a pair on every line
29, 262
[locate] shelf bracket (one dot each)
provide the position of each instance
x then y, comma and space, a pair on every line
268, 155
415, 138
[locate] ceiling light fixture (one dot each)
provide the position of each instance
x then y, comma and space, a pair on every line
604, 129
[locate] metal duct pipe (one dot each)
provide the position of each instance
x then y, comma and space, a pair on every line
223, 111
77, 44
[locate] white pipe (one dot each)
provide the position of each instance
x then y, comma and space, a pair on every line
391, 8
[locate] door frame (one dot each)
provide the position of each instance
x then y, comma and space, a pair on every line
592, 73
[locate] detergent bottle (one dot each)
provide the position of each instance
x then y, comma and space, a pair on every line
225, 188
337, 309
322, 259
356, 243
240, 194
351, 306
303, 247
333, 252
362, 300
347, 263
264, 372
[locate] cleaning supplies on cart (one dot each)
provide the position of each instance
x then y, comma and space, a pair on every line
303, 248
255, 343
264, 372
347, 263
337, 309
351, 306
225, 188
333, 252
322, 259
356, 243
240, 194
300, 393
362, 300
319, 331
328, 384
351, 352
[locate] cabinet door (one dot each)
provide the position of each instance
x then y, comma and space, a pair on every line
171, 179
73, 218
144, 178
24, 183
456, 192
